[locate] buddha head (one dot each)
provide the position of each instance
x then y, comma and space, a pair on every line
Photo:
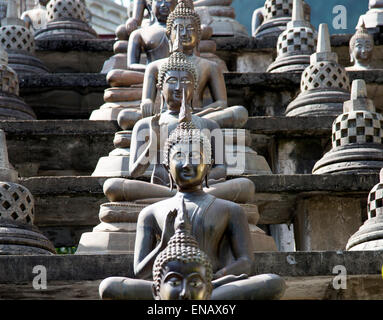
177, 77
162, 8
361, 48
187, 156
182, 271
183, 28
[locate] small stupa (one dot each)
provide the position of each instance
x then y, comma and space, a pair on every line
370, 234
271, 19
19, 43
296, 44
357, 137
18, 235
12, 107
66, 20
324, 83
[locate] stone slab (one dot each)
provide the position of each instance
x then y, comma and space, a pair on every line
76, 95
359, 287
18, 269
67, 206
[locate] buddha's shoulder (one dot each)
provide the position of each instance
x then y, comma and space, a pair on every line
158, 208
206, 62
228, 206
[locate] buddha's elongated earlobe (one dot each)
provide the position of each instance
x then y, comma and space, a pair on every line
170, 181
163, 103
352, 58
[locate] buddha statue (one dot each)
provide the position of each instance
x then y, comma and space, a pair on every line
220, 228
361, 50
184, 32
36, 18
177, 81
182, 271
151, 39
138, 155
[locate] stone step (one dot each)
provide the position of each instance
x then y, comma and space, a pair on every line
239, 53
78, 276
76, 95
73, 147
68, 206
74, 55
248, 54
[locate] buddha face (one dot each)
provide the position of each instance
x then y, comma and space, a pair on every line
187, 165
162, 8
184, 31
183, 281
175, 83
362, 50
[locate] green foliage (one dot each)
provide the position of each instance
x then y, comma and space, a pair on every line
66, 250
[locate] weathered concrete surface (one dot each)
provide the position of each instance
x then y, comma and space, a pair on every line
65, 147
18, 269
80, 55
360, 287
76, 95
254, 55
268, 94
65, 95
68, 206
73, 147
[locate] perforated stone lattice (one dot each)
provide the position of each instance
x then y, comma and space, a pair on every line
16, 203
324, 75
278, 8
357, 127
9, 81
301, 40
375, 201
66, 10
17, 38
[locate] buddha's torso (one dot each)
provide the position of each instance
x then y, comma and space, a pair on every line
208, 224
155, 42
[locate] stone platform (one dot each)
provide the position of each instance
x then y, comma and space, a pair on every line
68, 206
308, 275
76, 95
73, 147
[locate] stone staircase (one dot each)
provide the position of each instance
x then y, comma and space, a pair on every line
56, 155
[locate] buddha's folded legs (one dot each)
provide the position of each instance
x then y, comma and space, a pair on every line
240, 190
260, 287
121, 288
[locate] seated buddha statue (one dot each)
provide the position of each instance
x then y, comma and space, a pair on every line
184, 32
219, 226
151, 39
361, 50
177, 81
182, 271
